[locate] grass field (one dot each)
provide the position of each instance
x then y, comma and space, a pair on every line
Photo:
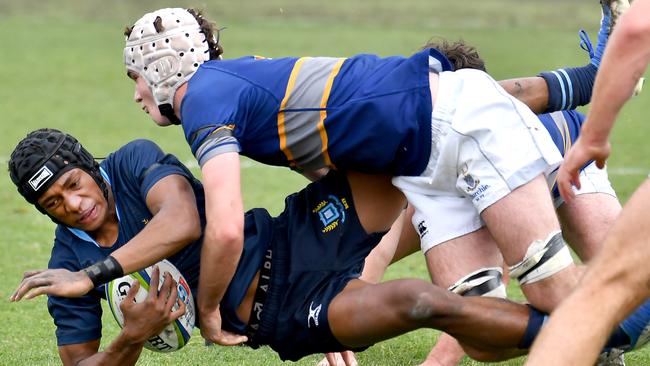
61, 67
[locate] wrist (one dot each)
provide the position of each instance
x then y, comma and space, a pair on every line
104, 271
133, 337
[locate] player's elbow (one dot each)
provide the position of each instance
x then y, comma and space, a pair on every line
635, 28
187, 225
226, 234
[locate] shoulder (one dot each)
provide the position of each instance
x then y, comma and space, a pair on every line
134, 154
137, 147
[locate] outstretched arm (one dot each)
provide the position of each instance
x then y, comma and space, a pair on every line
624, 63
141, 321
175, 223
605, 294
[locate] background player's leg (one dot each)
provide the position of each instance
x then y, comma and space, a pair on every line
447, 263
515, 221
586, 220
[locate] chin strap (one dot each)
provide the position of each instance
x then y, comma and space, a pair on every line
168, 111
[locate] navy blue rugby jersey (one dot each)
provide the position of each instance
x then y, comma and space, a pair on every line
365, 113
131, 171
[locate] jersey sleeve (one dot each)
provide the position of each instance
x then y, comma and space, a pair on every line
147, 164
77, 320
211, 114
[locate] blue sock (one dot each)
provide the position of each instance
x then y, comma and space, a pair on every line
635, 325
535, 322
569, 88
618, 339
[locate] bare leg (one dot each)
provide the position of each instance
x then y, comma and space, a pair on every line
515, 221
615, 283
378, 203
447, 263
586, 220
364, 314
380, 257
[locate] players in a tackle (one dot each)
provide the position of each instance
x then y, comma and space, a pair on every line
301, 267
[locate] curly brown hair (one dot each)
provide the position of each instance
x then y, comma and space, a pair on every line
207, 27
460, 54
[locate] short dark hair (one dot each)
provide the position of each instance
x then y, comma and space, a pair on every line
460, 54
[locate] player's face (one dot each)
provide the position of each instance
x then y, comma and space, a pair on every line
76, 200
143, 97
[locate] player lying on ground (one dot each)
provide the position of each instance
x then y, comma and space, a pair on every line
123, 215
439, 133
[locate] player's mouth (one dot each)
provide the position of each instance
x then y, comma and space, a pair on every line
145, 109
88, 216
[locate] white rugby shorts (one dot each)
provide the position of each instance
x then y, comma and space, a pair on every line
592, 180
485, 143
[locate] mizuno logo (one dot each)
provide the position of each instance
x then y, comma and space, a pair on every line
38, 179
313, 314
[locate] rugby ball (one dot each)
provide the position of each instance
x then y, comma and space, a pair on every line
176, 334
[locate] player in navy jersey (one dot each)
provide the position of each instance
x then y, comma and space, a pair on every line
453, 141
298, 299
140, 205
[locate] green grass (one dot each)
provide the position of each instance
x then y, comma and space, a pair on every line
60, 66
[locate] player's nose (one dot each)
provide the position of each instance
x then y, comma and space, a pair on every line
136, 96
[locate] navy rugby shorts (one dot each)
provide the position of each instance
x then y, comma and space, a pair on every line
318, 247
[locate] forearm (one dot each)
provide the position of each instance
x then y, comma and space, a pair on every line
625, 60
532, 91
161, 238
174, 225
219, 259
122, 351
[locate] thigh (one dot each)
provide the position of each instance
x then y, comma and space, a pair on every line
586, 220
377, 201
458, 257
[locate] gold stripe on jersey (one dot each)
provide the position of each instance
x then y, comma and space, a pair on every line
281, 127
323, 112
302, 114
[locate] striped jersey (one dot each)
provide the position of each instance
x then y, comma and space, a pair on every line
364, 113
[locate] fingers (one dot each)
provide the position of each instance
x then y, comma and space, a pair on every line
28, 274
29, 283
130, 296
129, 300
180, 311
23, 287
349, 359
153, 283
230, 339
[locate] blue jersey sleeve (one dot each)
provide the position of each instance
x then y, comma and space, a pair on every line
142, 163
77, 320
210, 114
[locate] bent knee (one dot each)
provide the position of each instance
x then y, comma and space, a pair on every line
424, 301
